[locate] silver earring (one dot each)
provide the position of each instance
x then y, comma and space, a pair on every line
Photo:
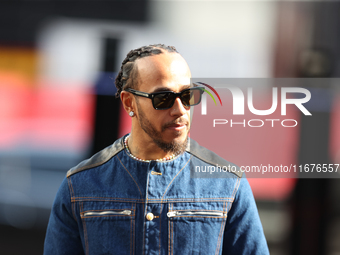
131, 114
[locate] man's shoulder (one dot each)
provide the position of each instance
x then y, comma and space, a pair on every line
99, 158
210, 157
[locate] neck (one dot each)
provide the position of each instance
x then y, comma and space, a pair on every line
146, 150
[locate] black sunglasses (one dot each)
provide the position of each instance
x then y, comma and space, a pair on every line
166, 99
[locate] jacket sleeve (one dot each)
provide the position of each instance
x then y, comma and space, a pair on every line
62, 235
243, 231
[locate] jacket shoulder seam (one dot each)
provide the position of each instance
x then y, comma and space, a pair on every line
210, 157
99, 158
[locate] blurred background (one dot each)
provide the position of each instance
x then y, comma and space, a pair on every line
58, 61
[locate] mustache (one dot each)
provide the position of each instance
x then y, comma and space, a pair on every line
179, 121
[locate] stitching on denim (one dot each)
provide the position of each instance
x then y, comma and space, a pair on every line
237, 184
70, 187
109, 216
143, 210
220, 234
236, 187
74, 211
130, 176
139, 201
169, 199
206, 217
228, 207
144, 237
160, 229
164, 201
85, 233
192, 199
175, 177
107, 199
146, 208
131, 234
169, 234
218, 239
99, 210
133, 229
73, 206
173, 235
199, 210
144, 227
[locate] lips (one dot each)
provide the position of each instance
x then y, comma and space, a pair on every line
176, 126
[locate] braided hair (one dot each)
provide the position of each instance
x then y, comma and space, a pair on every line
128, 72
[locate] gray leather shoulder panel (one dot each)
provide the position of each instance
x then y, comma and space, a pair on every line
99, 158
209, 157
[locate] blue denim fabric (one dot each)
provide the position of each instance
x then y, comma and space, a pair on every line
102, 204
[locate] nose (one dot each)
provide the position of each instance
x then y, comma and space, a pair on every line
178, 109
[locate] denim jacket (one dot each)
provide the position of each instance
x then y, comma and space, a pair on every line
113, 204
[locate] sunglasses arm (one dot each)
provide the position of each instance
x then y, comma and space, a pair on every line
139, 93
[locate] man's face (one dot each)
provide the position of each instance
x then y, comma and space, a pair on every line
167, 128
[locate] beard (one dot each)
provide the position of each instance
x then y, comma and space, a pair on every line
172, 147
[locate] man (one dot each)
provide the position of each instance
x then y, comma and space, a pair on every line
136, 196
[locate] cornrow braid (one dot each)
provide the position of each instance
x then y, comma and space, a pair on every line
127, 73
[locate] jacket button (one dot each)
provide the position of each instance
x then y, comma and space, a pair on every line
150, 216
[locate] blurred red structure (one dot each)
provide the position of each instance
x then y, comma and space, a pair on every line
44, 117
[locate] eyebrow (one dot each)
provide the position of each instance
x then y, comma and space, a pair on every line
162, 89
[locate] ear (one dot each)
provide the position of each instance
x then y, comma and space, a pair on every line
128, 101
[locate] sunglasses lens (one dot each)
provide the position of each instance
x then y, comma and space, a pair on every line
166, 100
163, 100
191, 97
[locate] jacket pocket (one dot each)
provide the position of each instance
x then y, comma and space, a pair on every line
107, 213
189, 213
196, 228
109, 227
